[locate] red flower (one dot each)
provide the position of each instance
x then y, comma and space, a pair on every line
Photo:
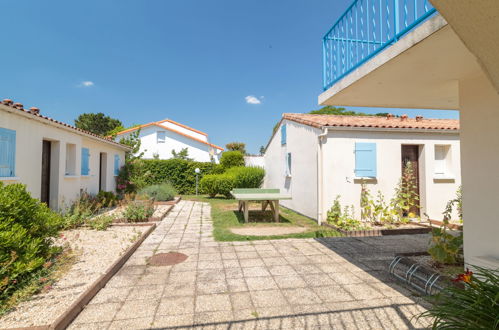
464, 277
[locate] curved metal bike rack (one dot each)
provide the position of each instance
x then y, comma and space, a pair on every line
416, 275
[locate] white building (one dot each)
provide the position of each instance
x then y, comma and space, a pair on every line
254, 160
446, 58
158, 139
54, 160
318, 157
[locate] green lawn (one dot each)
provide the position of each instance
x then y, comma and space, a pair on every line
225, 216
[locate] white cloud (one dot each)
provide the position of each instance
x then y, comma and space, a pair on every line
86, 83
251, 99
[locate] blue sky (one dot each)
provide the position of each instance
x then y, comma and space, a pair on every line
203, 63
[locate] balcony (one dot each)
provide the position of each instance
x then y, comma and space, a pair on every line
364, 30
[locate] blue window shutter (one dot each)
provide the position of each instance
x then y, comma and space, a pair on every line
283, 134
289, 163
116, 164
85, 155
365, 160
7, 152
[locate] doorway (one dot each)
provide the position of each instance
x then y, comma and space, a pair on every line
410, 153
45, 188
102, 171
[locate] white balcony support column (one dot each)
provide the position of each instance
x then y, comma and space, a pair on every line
479, 105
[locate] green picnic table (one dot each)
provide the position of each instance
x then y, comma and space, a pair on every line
266, 196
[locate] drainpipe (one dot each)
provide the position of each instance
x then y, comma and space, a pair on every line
319, 174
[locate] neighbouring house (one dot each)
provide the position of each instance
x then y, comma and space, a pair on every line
159, 138
315, 158
56, 161
419, 56
254, 160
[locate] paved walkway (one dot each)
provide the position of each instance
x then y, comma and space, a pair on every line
279, 284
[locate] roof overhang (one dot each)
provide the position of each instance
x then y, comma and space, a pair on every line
421, 70
51, 122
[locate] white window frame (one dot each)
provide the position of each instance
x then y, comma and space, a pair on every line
288, 164
160, 139
442, 167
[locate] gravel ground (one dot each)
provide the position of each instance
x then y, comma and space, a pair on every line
159, 211
96, 251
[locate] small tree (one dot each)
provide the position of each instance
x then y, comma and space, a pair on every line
182, 154
406, 193
129, 178
97, 123
236, 146
231, 159
262, 150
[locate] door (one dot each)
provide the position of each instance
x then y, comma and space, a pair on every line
410, 153
45, 189
102, 171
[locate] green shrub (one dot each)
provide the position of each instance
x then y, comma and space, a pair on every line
231, 159
26, 231
208, 184
159, 192
138, 211
474, 304
101, 222
225, 183
247, 177
107, 198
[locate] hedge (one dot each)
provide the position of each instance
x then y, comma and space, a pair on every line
179, 172
236, 177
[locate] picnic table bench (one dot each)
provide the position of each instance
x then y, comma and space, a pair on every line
266, 196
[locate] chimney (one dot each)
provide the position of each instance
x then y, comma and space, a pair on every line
419, 118
34, 110
18, 106
403, 117
389, 116
7, 102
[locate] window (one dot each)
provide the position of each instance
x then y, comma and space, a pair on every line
288, 164
442, 161
365, 160
283, 134
116, 164
85, 160
7, 152
161, 136
70, 159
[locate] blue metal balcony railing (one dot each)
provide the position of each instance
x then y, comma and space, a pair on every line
365, 29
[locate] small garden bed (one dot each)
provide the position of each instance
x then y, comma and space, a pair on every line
92, 253
226, 218
399, 229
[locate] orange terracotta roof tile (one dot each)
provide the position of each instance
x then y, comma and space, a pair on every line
402, 122
34, 111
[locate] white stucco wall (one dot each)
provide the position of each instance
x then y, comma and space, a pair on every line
302, 185
479, 107
185, 130
339, 166
257, 161
30, 134
149, 146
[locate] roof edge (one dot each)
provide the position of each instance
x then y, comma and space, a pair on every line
60, 124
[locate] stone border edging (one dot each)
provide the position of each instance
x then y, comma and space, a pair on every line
380, 232
76, 307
